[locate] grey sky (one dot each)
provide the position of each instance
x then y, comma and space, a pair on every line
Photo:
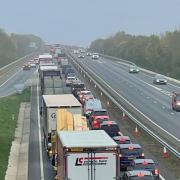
79, 22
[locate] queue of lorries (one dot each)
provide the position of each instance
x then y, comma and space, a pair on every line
82, 141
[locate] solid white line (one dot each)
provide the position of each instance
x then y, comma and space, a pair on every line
10, 77
150, 120
39, 130
161, 177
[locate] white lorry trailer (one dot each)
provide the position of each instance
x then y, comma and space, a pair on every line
87, 155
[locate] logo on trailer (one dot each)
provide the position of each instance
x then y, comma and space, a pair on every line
53, 115
85, 161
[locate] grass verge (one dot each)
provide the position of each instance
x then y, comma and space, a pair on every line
9, 110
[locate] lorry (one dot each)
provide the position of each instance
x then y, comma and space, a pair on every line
87, 155
50, 79
51, 103
45, 58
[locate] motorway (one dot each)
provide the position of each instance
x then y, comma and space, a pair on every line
152, 100
19, 77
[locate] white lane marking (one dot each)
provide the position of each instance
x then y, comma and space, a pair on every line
155, 102
172, 113
158, 89
174, 85
148, 97
167, 83
10, 78
174, 137
163, 107
39, 134
161, 177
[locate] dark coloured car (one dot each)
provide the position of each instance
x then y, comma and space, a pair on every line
159, 79
26, 67
137, 175
122, 139
64, 67
69, 71
111, 128
76, 87
146, 164
129, 152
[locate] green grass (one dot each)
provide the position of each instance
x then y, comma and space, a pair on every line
9, 106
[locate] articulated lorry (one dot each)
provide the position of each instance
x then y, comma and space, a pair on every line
87, 155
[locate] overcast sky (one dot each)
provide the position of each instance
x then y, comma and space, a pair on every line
78, 22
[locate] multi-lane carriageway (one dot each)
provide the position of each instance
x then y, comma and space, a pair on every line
138, 89
152, 100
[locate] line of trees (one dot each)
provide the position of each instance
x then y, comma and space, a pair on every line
157, 53
13, 46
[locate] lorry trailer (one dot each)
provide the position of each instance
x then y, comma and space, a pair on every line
87, 155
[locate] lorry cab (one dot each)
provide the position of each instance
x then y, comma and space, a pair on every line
176, 101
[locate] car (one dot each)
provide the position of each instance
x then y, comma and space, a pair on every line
159, 79
33, 65
133, 69
70, 80
80, 56
137, 175
111, 128
77, 87
85, 95
26, 67
91, 104
64, 67
122, 139
146, 164
129, 152
69, 71
71, 75
95, 56
97, 116
89, 54
75, 51
176, 101
36, 61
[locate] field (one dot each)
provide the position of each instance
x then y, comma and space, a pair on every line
9, 110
